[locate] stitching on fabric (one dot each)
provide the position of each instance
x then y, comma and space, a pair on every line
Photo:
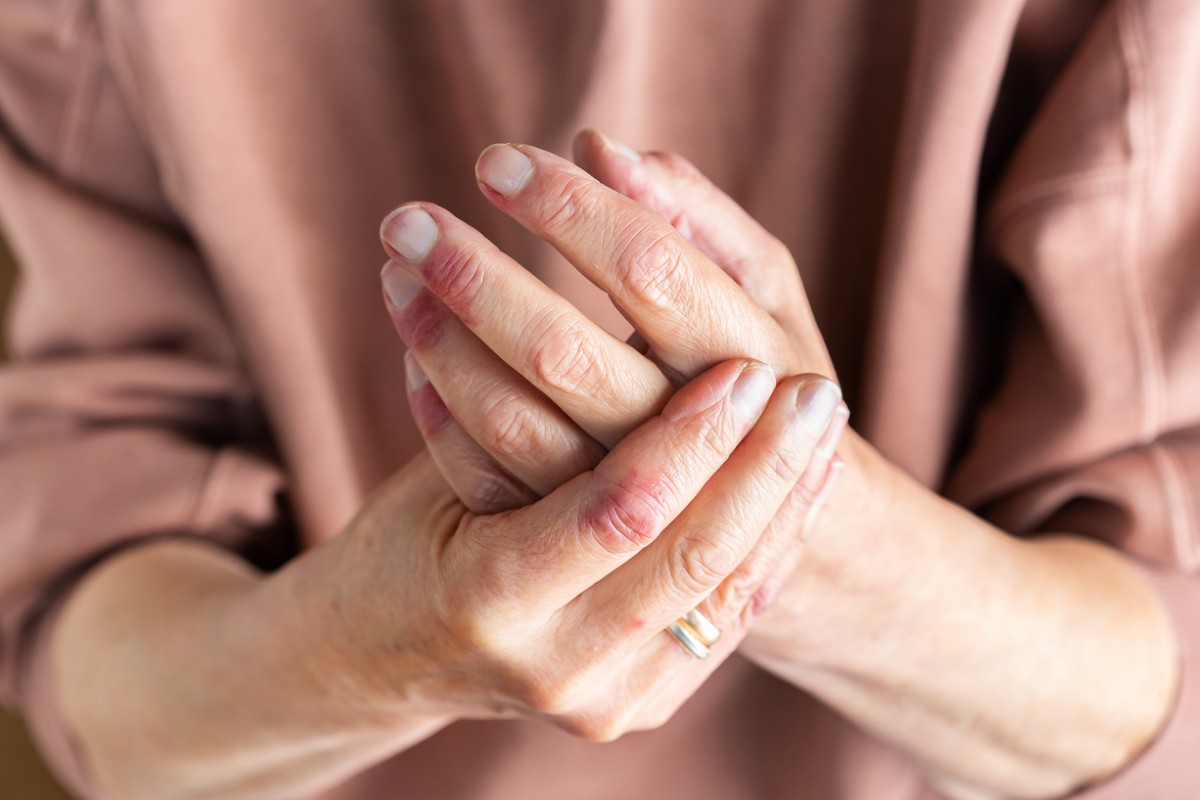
1138, 119
1173, 479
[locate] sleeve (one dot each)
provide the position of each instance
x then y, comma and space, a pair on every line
125, 412
1095, 426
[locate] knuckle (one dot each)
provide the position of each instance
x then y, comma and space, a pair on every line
651, 267
696, 564
458, 279
560, 207
509, 426
594, 726
716, 433
785, 463
548, 697
564, 358
463, 620
653, 719
494, 491
777, 253
624, 518
730, 599
560, 694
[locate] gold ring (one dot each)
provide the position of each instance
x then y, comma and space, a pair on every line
695, 633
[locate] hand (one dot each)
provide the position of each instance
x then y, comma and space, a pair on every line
683, 304
848, 622
556, 611
493, 429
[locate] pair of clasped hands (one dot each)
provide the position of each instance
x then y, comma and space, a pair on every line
588, 491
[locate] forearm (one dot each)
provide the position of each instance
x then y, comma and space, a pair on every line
1008, 668
184, 673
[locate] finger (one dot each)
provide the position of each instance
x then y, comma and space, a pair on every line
715, 534
664, 285
591, 525
526, 434
662, 688
805, 509
480, 482
837, 468
815, 477
673, 187
601, 383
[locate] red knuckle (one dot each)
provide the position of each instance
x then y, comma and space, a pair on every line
624, 519
420, 323
457, 279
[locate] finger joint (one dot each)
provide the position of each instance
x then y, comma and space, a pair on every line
564, 358
651, 268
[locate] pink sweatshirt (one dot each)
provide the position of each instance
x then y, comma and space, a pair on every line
995, 206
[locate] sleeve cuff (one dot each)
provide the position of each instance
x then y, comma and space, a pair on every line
1170, 766
49, 730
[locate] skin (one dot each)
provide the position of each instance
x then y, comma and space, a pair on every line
1004, 667
183, 673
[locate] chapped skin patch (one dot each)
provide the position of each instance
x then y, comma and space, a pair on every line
629, 515
420, 323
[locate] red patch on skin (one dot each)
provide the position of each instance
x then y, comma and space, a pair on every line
453, 275
420, 323
763, 599
429, 411
495, 197
630, 515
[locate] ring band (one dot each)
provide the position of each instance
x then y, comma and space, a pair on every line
687, 639
695, 633
703, 627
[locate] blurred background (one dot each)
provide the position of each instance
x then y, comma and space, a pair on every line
22, 776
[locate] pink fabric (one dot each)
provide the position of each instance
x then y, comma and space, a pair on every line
995, 207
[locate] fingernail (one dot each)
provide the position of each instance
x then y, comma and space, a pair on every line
752, 390
401, 287
621, 149
817, 400
503, 168
410, 231
416, 376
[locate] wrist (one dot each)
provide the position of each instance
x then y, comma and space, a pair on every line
906, 599
848, 571
336, 667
